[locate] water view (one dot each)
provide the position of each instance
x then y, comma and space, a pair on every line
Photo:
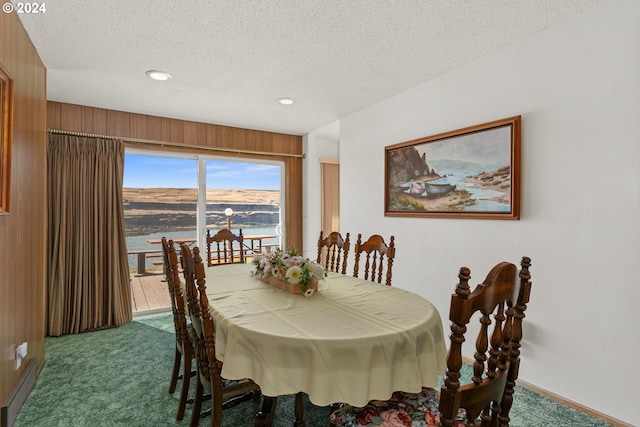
485, 198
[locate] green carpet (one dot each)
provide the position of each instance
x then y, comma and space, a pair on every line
120, 376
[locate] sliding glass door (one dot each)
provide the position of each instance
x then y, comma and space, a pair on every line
245, 195
181, 196
160, 200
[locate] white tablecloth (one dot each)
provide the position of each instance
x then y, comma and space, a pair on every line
352, 342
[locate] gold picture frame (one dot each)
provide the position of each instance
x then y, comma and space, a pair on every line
466, 173
6, 139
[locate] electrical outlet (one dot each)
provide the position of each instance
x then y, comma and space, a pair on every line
17, 360
21, 353
22, 348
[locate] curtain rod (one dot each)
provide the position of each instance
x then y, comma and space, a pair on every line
173, 144
82, 134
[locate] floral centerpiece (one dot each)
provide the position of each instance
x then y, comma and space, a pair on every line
290, 267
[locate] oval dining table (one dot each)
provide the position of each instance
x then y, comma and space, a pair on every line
351, 342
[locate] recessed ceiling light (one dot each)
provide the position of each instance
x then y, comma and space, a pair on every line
158, 75
285, 101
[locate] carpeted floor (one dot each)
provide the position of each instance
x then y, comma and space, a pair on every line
119, 377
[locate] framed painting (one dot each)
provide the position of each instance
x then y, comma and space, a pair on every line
467, 173
6, 127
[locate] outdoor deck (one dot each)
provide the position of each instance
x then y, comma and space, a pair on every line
149, 293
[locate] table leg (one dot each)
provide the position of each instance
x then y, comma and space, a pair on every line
299, 411
264, 418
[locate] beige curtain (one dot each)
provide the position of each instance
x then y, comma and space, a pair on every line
330, 171
88, 273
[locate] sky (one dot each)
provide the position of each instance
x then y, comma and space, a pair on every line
168, 172
491, 147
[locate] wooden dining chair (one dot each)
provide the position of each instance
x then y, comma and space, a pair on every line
225, 248
488, 395
222, 393
376, 251
184, 352
331, 249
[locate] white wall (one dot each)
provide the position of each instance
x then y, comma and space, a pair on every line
577, 88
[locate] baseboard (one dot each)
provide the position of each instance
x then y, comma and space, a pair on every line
160, 310
578, 407
566, 402
19, 394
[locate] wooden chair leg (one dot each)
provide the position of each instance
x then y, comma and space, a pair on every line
216, 403
197, 404
176, 371
186, 381
264, 418
299, 411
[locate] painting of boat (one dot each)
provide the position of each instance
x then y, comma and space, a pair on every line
466, 173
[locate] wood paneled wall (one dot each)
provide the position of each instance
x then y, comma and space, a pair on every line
23, 231
78, 118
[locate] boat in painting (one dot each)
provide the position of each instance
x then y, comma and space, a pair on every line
413, 187
435, 190
425, 189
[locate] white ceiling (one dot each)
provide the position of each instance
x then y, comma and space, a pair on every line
231, 59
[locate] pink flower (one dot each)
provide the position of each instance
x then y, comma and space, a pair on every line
364, 416
395, 418
398, 396
433, 420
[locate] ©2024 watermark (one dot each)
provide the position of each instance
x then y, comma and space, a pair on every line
31, 8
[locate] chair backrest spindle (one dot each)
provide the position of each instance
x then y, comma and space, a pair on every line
172, 276
376, 251
331, 250
225, 251
516, 337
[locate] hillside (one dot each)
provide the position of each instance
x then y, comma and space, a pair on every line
148, 210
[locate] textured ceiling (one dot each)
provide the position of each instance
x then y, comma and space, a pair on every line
231, 59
